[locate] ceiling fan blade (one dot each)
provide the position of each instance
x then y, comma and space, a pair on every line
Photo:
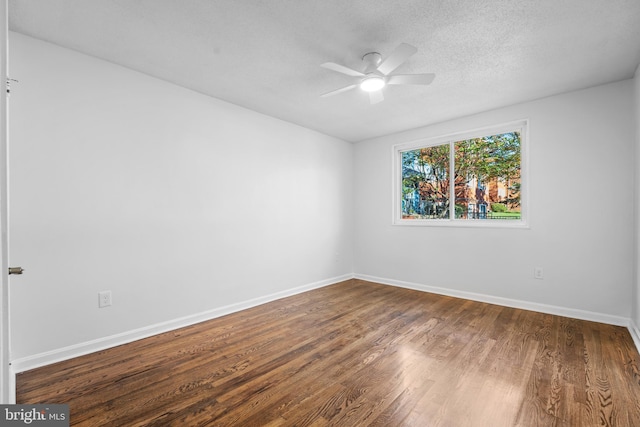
411, 79
337, 91
376, 96
342, 69
398, 56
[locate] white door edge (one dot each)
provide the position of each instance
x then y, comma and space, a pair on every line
7, 377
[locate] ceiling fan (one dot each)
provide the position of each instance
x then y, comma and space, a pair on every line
376, 74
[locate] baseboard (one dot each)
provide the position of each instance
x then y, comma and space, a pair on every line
65, 353
635, 333
507, 302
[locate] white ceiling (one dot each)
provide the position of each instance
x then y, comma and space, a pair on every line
265, 55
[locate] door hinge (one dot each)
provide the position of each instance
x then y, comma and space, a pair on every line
9, 85
16, 270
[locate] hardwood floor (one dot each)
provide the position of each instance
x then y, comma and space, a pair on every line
357, 354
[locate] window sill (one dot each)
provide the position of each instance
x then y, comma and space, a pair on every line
481, 223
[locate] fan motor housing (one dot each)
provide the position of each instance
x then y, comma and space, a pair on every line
371, 60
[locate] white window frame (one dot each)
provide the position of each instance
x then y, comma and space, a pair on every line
521, 126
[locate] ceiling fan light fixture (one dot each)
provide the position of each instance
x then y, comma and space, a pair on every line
372, 84
377, 73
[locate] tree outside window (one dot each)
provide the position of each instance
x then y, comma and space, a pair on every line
486, 179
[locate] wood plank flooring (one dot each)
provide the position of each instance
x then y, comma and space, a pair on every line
357, 354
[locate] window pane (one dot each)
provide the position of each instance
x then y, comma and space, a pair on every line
487, 177
425, 183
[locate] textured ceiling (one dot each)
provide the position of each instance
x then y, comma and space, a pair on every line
265, 55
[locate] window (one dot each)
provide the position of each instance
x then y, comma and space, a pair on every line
481, 171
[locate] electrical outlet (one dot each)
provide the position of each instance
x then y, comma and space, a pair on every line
538, 273
104, 299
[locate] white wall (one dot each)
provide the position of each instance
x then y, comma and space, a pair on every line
176, 202
636, 288
581, 216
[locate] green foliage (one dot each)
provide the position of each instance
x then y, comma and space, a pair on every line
489, 157
498, 207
